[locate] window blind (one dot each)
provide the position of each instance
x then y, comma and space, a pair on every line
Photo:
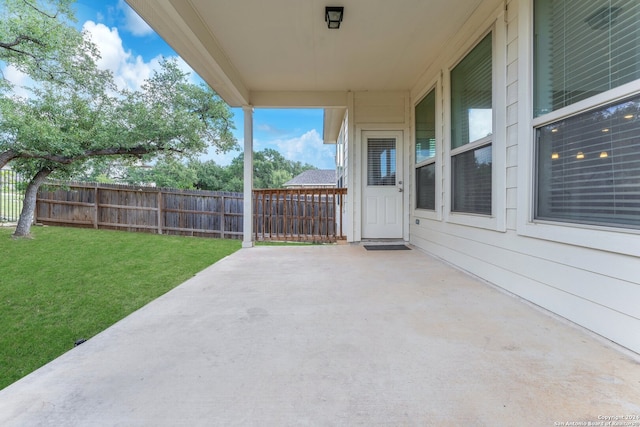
426, 186
471, 172
425, 114
471, 96
583, 48
588, 167
381, 161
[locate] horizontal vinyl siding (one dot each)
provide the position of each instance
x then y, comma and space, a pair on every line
600, 295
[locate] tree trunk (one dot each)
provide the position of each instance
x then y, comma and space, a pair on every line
29, 205
6, 157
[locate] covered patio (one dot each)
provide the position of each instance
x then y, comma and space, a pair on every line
332, 335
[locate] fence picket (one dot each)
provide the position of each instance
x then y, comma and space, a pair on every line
309, 214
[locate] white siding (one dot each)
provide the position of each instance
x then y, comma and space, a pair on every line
597, 289
380, 107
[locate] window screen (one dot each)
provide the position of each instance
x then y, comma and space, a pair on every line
583, 48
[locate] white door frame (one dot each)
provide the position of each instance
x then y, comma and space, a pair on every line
397, 225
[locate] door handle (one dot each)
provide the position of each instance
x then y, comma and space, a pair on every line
400, 189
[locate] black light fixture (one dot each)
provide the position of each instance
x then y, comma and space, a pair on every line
333, 16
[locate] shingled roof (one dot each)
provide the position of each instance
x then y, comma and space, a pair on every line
313, 178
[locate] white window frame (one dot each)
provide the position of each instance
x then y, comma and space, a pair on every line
497, 220
606, 238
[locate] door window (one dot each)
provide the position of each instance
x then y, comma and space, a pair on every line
381, 161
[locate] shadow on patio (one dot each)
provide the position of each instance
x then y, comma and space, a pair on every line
331, 335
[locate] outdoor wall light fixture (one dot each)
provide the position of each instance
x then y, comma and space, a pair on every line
333, 16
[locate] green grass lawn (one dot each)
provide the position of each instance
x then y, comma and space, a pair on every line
67, 283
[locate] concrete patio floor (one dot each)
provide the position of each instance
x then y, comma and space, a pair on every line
332, 335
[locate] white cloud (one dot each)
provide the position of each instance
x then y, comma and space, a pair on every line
133, 23
129, 71
18, 79
308, 148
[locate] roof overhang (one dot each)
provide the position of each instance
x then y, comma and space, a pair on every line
333, 118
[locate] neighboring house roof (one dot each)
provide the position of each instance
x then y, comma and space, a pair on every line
313, 177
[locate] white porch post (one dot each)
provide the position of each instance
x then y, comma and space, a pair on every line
247, 237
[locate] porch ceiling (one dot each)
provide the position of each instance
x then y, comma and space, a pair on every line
254, 52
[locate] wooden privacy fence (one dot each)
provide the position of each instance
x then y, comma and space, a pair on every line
309, 214
306, 214
146, 209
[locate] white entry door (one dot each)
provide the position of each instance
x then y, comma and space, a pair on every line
382, 208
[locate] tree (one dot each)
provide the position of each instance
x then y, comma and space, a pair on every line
168, 173
271, 169
36, 38
62, 126
210, 176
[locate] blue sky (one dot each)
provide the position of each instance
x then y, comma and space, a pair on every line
131, 50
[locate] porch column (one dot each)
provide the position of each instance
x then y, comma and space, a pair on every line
247, 235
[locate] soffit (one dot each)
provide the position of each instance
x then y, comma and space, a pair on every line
248, 46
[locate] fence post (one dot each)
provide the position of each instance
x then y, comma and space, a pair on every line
95, 206
222, 211
159, 211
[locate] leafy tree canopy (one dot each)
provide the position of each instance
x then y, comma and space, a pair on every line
271, 170
37, 38
75, 111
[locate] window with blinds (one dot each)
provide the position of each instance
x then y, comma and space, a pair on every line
425, 150
588, 164
425, 114
471, 131
381, 161
588, 167
583, 48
